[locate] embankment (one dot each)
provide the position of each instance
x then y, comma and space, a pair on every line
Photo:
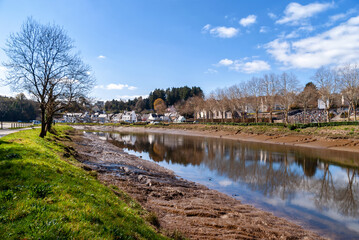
46, 194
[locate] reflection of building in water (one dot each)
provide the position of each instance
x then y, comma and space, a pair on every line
151, 138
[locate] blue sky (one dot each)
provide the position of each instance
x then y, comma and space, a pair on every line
134, 46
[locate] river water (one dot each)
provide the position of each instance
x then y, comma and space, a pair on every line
300, 184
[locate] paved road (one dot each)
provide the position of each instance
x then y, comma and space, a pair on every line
4, 132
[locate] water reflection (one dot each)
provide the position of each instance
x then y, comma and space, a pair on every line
300, 178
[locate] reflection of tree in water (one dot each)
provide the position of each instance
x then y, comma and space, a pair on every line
325, 190
309, 165
163, 147
271, 170
347, 198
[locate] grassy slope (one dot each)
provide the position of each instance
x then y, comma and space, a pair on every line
43, 196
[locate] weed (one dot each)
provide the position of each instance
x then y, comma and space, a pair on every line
153, 219
41, 190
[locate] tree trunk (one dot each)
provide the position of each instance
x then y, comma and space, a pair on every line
49, 124
257, 116
43, 123
355, 111
233, 117
328, 119
304, 115
286, 116
349, 113
271, 116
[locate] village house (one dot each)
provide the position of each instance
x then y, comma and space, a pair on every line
129, 116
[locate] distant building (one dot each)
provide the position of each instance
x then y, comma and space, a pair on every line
129, 116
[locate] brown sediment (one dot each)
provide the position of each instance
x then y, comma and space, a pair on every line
189, 208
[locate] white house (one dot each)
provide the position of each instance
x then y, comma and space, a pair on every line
180, 119
153, 117
129, 116
116, 118
321, 104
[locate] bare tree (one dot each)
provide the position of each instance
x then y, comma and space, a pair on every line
222, 102
255, 90
42, 62
308, 98
211, 105
270, 87
349, 82
197, 102
234, 98
288, 85
326, 81
243, 98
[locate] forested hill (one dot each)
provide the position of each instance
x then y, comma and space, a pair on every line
18, 108
170, 96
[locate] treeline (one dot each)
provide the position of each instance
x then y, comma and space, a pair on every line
18, 108
335, 87
170, 96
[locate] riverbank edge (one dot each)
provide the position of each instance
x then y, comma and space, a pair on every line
185, 206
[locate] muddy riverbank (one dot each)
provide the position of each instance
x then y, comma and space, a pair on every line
192, 209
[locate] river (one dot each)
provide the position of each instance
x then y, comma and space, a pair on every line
300, 184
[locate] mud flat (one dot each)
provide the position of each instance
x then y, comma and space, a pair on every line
181, 206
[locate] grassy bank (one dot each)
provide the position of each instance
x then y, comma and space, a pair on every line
45, 194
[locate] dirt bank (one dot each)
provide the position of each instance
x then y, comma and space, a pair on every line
182, 206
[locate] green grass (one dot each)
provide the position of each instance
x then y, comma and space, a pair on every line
45, 194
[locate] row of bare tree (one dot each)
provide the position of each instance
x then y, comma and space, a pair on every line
282, 91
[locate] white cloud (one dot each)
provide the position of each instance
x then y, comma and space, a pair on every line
211, 71
126, 97
245, 66
251, 67
224, 32
272, 15
251, 19
295, 12
341, 16
338, 45
225, 62
293, 34
206, 28
263, 29
114, 86
101, 57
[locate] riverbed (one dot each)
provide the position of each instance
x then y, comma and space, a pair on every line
183, 207
297, 184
